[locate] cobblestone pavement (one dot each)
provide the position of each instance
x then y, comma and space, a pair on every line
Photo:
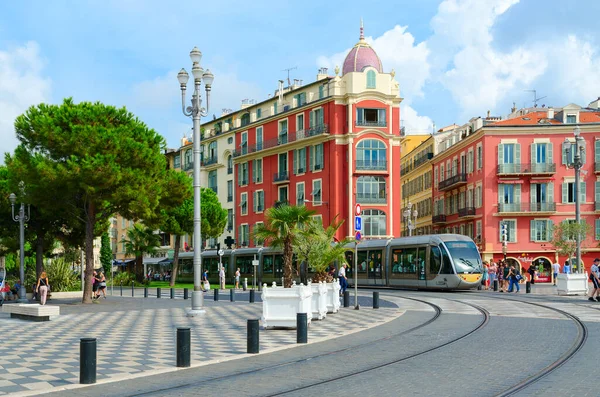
136, 335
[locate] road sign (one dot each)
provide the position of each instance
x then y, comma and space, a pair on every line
221, 252
358, 210
357, 223
358, 236
255, 262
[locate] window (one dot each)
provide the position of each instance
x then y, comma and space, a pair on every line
230, 220
469, 198
177, 161
316, 157
316, 192
300, 122
542, 193
259, 201
478, 237
509, 153
229, 191
212, 150
300, 193
245, 119
258, 113
318, 218
244, 143
244, 235
511, 230
470, 161
569, 149
257, 241
229, 165
374, 223
259, 138
283, 131
300, 161
242, 174
479, 157
283, 194
244, 204
509, 193
283, 165
571, 119
597, 194
568, 192
300, 99
212, 180
405, 262
123, 223
275, 108
371, 154
597, 151
315, 118
541, 153
541, 230
257, 171
370, 189
230, 140
371, 117
321, 92
478, 197
189, 159
371, 79
597, 229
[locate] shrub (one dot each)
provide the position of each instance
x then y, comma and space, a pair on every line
61, 276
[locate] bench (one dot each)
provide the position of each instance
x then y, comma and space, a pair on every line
32, 312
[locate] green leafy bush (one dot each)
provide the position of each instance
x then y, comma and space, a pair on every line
61, 276
124, 278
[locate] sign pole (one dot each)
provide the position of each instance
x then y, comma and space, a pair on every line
356, 306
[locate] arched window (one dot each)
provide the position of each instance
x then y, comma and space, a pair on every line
212, 150
371, 155
371, 81
370, 189
230, 164
374, 223
189, 159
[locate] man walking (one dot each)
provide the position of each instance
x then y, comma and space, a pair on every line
595, 280
555, 270
222, 277
343, 280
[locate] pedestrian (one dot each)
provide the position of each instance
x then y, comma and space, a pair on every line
101, 285
531, 272
567, 267
506, 278
555, 270
484, 279
237, 278
595, 280
501, 275
492, 273
222, 277
513, 278
205, 282
43, 286
95, 283
343, 280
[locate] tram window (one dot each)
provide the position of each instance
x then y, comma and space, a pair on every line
435, 262
375, 263
446, 264
349, 260
244, 263
268, 264
405, 260
362, 261
279, 265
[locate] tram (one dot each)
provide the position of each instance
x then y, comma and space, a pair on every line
437, 261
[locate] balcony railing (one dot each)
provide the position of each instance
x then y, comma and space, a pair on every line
438, 218
188, 166
290, 137
597, 166
527, 168
371, 165
209, 161
243, 181
467, 211
456, 180
526, 207
371, 123
278, 204
281, 177
371, 198
423, 160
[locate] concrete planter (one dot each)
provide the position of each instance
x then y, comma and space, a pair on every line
572, 284
280, 305
319, 300
333, 296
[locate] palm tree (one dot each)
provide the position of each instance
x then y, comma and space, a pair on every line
317, 246
282, 226
140, 240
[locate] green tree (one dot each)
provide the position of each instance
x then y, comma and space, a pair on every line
564, 238
140, 240
283, 225
106, 254
214, 217
93, 160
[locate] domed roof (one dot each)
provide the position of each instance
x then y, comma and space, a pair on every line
361, 56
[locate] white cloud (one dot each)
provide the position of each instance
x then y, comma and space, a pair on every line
22, 84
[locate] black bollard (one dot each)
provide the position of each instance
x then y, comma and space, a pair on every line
121, 289
252, 341
172, 293
158, 293
133, 290
87, 361
496, 285
216, 294
183, 347
375, 299
231, 295
301, 328
251, 299
346, 298
145, 292
528, 287
185, 293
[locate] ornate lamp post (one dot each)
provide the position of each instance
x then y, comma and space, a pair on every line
578, 150
21, 218
410, 215
196, 111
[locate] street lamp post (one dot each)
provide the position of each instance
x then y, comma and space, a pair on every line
577, 148
21, 218
196, 111
410, 216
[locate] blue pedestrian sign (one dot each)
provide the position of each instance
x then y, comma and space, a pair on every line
358, 236
357, 223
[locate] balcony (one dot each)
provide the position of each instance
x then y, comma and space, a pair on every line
371, 123
597, 167
188, 166
526, 169
526, 208
438, 218
289, 138
371, 165
371, 198
281, 177
423, 160
466, 212
209, 161
452, 182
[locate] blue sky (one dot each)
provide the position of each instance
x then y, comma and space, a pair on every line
454, 59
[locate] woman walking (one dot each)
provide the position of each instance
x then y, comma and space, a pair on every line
101, 285
500, 275
237, 278
42, 287
484, 279
492, 273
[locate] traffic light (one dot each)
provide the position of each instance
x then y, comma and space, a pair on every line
504, 232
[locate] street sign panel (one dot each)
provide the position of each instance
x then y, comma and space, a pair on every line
357, 223
221, 252
255, 262
358, 236
358, 210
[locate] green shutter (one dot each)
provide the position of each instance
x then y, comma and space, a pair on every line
565, 192
321, 116
321, 155
549, 153
311, 119
533, 193
518, 155
550, 229
500, 154
311, 159
565, 145
359, 115
295, 161
500, 231
532, 231
597, 229
550, 192
517, 198
597, 151
597, 192
254, 171
533, 153
582, 186
254, 201
500, 193
239, 167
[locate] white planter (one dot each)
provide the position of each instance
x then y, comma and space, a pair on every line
280, 305
319, 300
572, 284
333, 296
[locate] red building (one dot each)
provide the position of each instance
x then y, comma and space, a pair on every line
329, 145
492, 172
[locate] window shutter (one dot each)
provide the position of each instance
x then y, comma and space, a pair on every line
597, 229
501, 194
550, 192
532, 231
500, 154
582, 186
518, 154
320, 117
565, 145
584, 154
254, 171
239, 167
533, 192
549, 153
359, 115
597, 192
517, 194
295, 161
312, 158
381, 115
565, 192
311, 119
597, 151
254, 201
239, 242
533, 153
500, 231
549, 229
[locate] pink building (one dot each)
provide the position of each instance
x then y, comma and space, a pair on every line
514, 172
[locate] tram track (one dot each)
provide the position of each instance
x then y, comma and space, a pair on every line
437, 313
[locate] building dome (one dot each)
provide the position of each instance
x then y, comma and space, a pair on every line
361, 56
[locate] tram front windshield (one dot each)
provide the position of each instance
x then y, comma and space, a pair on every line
465, 256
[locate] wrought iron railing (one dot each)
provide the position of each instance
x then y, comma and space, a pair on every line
371, 198
527, 168
281, 177
188, 166
454, 180
371, 123
423, 160
210, 161
466, 211
438, 218
526, 207
371, 165
278, 204
290, 137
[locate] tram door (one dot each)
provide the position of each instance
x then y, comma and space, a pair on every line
421, 266
278, 268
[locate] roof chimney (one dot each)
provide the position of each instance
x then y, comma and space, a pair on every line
550, 112
322, 74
